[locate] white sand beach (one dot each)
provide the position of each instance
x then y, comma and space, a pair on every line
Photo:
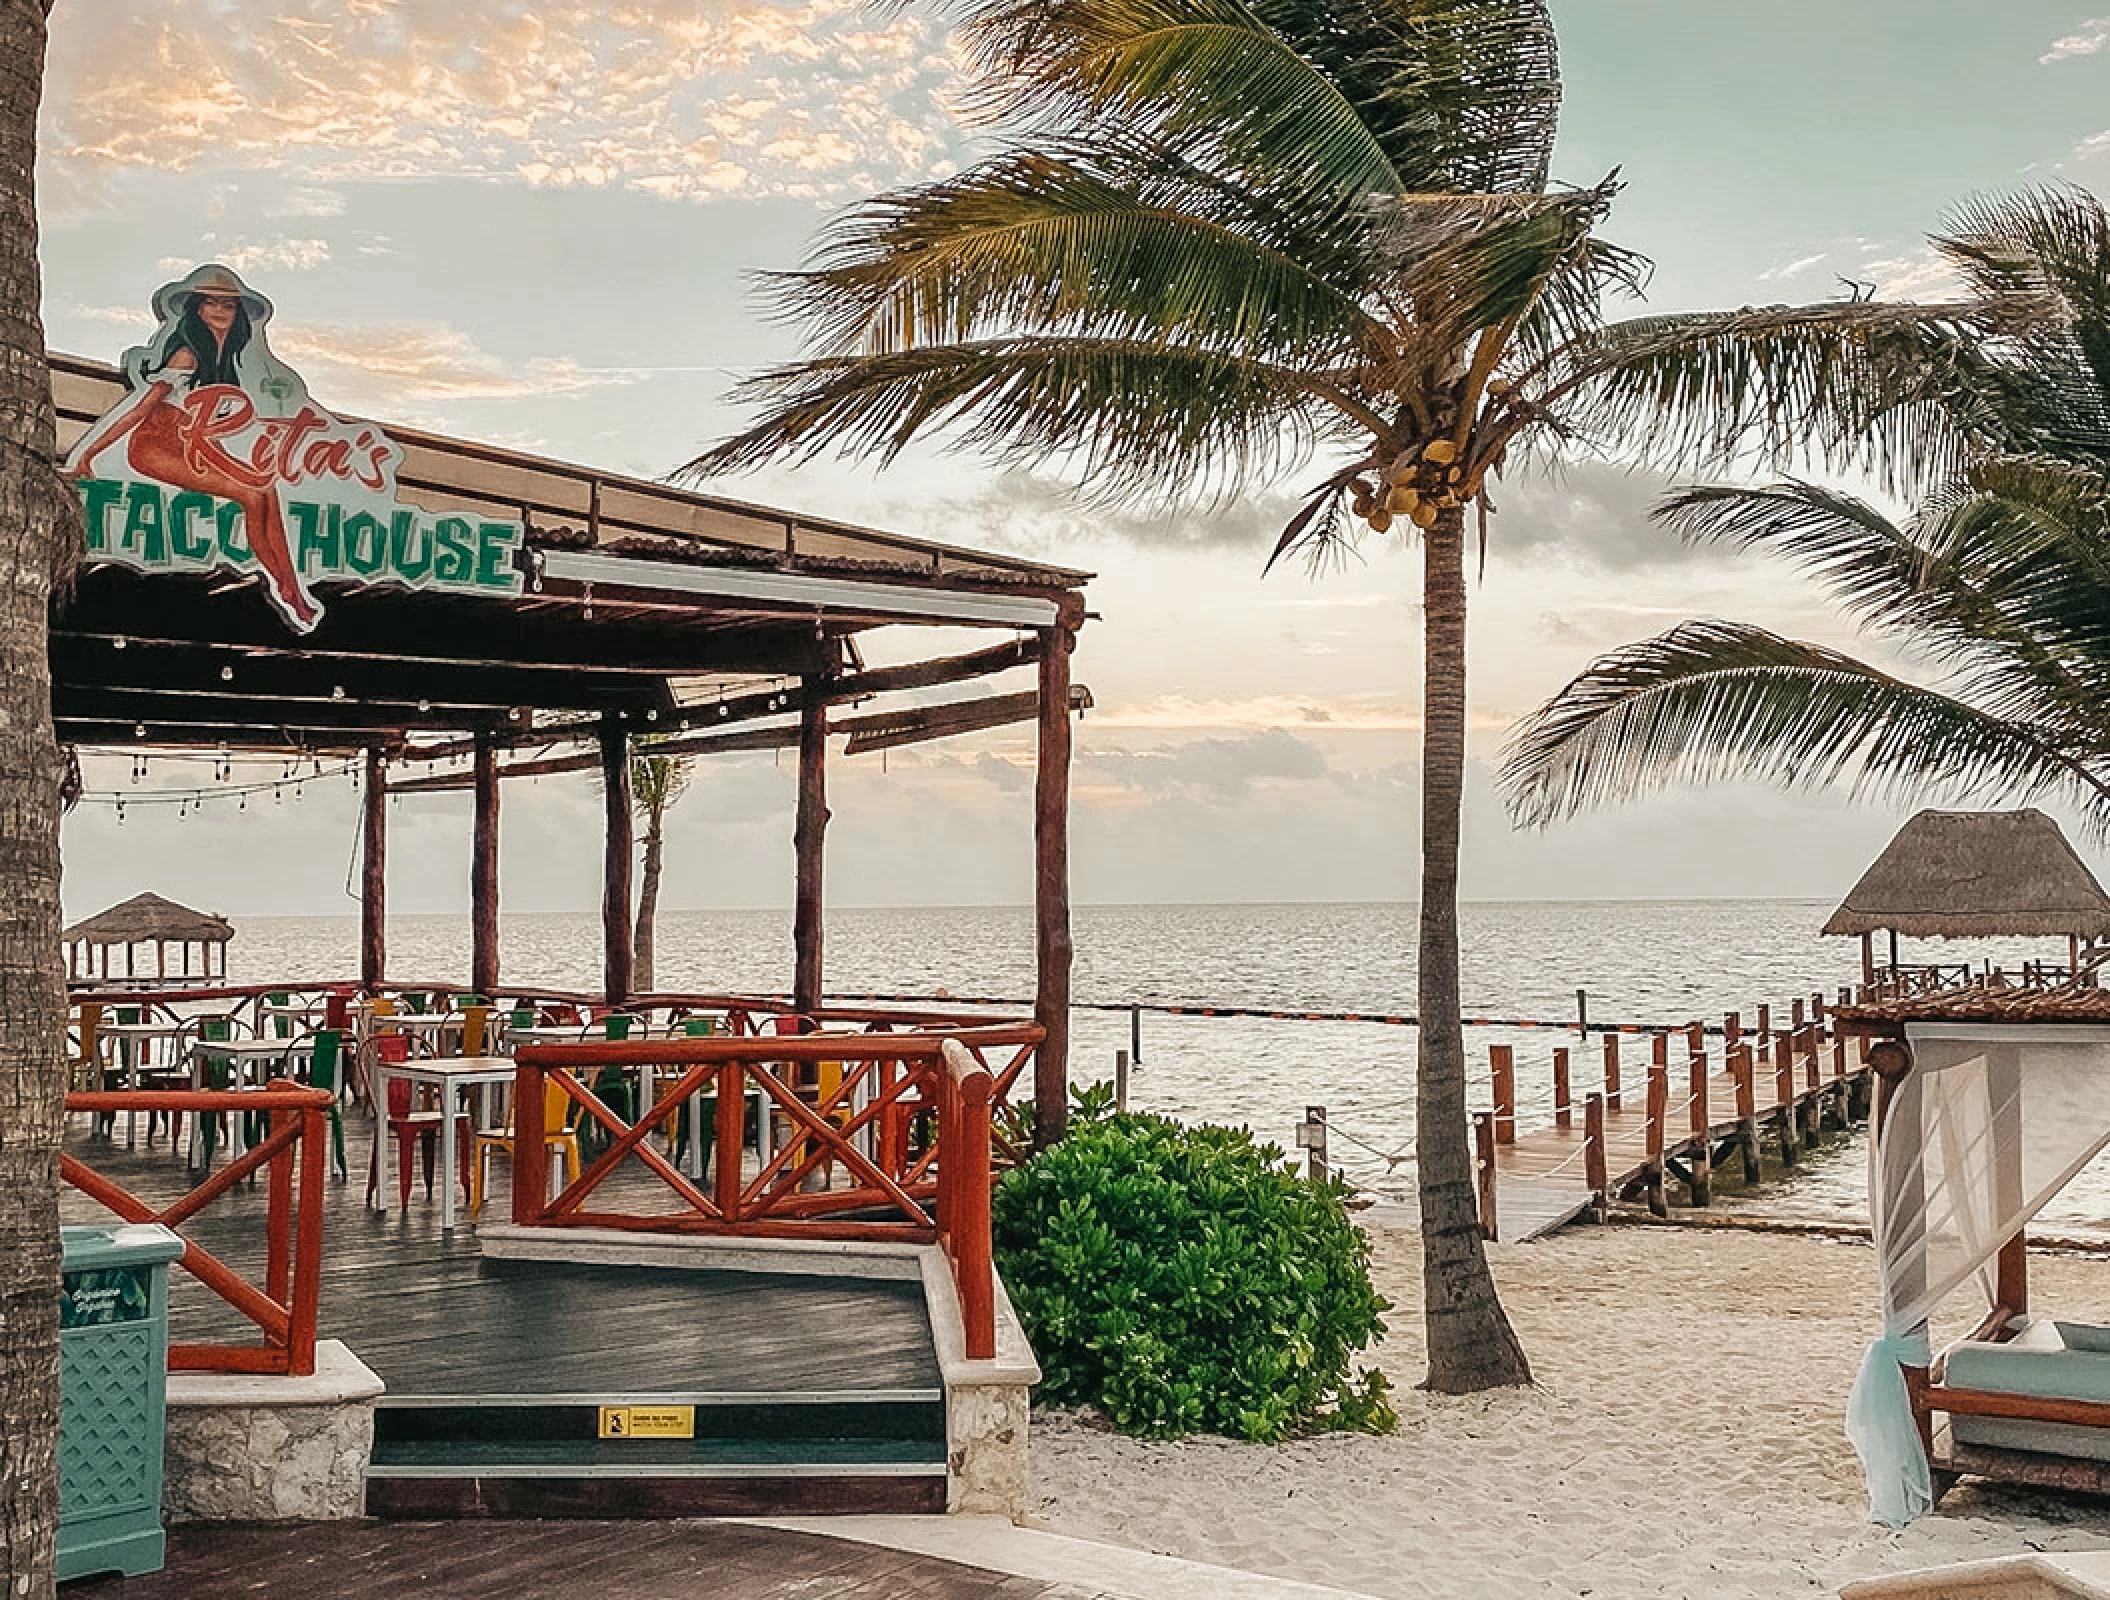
1684, 1440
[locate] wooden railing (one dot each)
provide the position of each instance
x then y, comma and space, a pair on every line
965, 1088
857, 1162
293, 1156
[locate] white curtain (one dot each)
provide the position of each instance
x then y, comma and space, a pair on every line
1992, 1121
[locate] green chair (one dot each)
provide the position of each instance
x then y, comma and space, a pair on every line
612, 1086
281, 1025
217, 1073
698, 1028
326, 1071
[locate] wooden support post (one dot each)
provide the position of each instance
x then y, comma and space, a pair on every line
1795, 1016
373, 879
615, 866
1732, 1030
1051, 884
161, 959
1658, 1108
1812, 1096
1740, 1068
1764, 1035
1484, 1162
1313, 1137
1562, 1117
810, 841
1501, 1062
1611, 1072
1594, 1164
1786, 1114
1868, 961
483, 873
1695, 1037
1699, 1165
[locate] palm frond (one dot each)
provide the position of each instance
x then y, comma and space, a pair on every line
1936, 582
1137, 419
1851, 383
1359, 96
1714, 700
1078, 243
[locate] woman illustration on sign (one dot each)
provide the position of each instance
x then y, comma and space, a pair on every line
198, 386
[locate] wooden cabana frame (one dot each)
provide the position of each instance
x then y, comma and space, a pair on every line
643, 608
1936, 1400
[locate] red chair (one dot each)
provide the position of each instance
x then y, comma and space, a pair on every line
411, 1126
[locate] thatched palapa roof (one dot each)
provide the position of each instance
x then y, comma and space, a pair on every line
146, 919
1976, 875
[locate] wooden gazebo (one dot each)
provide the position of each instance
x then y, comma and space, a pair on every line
143, 920
527, 616
1974, 875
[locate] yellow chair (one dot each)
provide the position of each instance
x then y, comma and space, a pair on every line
560, 1115
476, 1030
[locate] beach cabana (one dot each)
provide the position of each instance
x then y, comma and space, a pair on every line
143, 920
1989, 1101
1974, 875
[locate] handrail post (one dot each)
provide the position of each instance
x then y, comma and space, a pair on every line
964, 1173
1501, 1061
1594, 1175
1484, 1136
278, 1214
307, 1260
530, 1147
731, 1115
1699, 1163
1746, 1110
1658, 1110
1562, 1117
1611, 1072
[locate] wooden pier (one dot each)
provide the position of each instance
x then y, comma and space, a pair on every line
1627, 1124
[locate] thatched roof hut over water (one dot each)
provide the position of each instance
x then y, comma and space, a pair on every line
142, 920
1977, 875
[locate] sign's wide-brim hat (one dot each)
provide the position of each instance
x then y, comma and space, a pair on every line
212, 278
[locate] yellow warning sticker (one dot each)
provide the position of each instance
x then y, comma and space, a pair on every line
648, 1422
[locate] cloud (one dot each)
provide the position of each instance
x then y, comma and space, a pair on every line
350, 368
2094, 145
1592, 515
1032, 515
283, 255
815, 98
1793, 269
1921, 275
1370, 713
1221, 769
2090, 38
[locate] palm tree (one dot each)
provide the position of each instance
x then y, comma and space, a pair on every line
1229, 235
1999, 581
656, 782
43, 532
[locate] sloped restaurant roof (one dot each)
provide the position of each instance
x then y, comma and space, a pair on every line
147, 918
1976, 875
627, 591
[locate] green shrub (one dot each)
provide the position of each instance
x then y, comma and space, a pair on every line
1182, 1281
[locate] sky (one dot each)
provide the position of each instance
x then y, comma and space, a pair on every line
540, 225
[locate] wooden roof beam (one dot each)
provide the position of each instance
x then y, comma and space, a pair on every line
183, 667
881, 730
777, 702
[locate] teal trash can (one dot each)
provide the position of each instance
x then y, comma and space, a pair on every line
113, 1391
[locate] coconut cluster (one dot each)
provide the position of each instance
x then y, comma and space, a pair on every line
1418, 483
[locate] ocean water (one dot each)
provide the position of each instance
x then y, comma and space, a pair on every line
1652, 962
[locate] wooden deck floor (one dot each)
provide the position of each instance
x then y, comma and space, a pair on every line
432, 1317
532, 1560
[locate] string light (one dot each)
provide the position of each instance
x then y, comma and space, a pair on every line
193, 798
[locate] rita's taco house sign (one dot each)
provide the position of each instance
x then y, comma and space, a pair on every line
216, 459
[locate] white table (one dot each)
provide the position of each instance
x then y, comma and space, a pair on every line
128, 1037
241, 1055
446, 1074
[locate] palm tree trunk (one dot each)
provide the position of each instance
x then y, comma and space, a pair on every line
1470, 1343
648, 899
42, 529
